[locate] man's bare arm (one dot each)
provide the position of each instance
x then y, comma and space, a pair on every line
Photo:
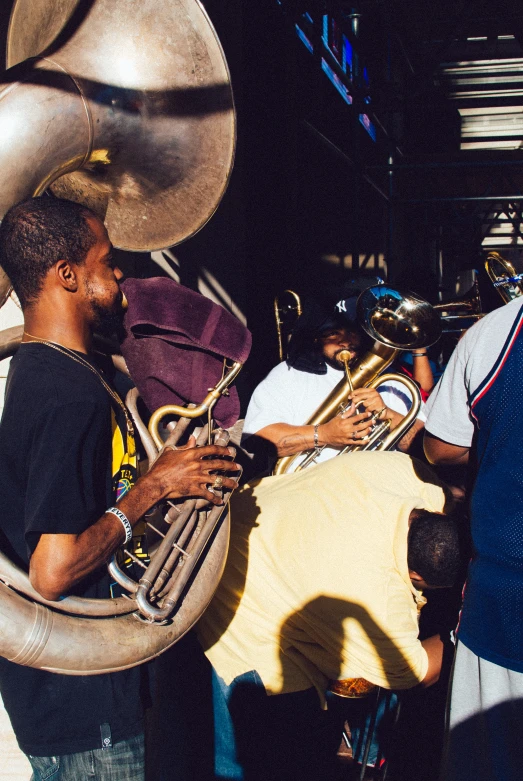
437, 451
434, 647
408, 438
60, 561
338, 432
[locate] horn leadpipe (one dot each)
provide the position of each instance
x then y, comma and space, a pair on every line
192, 412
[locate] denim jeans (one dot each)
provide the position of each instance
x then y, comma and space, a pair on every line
359, 715
283, 737
123, 762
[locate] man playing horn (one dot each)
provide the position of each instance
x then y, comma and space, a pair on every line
323, 582
295, 388
68, 464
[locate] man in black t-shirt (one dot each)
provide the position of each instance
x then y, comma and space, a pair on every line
66, 455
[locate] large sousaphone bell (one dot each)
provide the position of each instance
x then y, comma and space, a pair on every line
127, 108
124, 106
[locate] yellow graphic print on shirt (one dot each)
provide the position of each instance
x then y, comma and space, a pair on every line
124, 473
124, 466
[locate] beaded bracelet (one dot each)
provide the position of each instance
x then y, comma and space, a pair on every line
316, 438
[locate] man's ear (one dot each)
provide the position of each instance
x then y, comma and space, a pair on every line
66, 275
415, 576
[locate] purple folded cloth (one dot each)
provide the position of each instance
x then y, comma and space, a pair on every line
175, 343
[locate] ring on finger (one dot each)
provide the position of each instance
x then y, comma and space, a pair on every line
218, 483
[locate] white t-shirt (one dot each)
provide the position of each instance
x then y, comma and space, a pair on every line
448, 407
288, 395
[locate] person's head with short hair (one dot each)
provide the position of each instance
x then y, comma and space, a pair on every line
35, 234
59, 259
433, 550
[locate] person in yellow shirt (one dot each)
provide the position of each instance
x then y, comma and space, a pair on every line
322, 583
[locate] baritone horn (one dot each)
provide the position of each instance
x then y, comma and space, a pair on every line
396, 321
132, 115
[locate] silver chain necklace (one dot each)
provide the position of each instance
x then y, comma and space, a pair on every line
131, 444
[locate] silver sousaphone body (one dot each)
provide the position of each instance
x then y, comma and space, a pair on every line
124, 106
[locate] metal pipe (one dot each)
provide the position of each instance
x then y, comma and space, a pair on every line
344, 157
462, 198
450, 164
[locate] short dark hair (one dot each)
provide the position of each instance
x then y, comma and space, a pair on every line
38, 232
433, 548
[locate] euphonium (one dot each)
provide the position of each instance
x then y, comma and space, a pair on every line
504, 277
396, 321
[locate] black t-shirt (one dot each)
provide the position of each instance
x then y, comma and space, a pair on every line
57, 446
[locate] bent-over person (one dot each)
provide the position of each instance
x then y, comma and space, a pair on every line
323, 582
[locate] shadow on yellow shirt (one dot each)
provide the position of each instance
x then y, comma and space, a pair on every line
316, 584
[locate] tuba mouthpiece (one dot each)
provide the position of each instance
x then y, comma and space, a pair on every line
344, 356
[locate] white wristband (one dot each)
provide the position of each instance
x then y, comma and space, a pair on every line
125, 523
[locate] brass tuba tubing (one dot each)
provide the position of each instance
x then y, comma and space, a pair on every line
38, 636
170, 601
192, 412
179, 554
180, 549
372, 363
17, 579
397, 321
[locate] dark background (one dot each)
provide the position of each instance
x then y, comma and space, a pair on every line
311, 203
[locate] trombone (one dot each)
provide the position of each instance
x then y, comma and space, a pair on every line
504, 277
459, 314
287, 309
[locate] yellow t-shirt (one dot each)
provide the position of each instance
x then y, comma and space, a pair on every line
316, 584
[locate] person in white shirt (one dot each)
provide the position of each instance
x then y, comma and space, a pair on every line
294, 389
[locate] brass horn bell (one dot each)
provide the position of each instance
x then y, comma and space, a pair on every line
458, 315
125, 107
504, 277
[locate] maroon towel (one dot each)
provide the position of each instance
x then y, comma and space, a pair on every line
175, 343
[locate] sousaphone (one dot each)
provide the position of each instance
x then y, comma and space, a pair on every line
127, 108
